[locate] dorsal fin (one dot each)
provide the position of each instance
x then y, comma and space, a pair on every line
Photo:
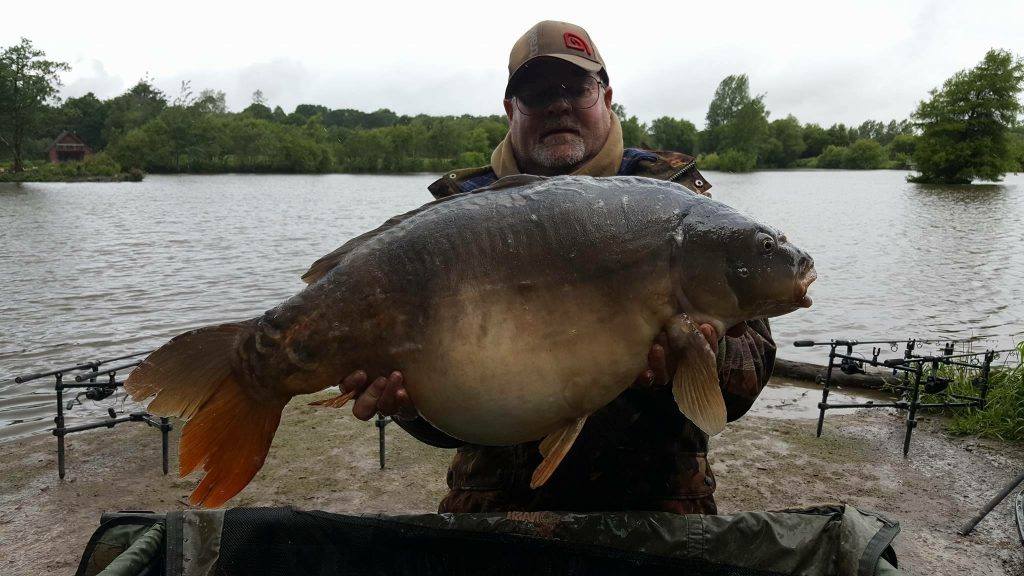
326, 263
510, 181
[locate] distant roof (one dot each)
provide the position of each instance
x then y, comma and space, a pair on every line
68, 141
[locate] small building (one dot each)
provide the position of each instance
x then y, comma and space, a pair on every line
67, 147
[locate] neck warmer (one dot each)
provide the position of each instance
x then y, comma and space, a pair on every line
605, 163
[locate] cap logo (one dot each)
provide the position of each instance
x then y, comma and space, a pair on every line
574, 42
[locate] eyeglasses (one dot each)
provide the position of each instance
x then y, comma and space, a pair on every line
580, 93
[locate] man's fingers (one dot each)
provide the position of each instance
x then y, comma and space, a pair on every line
711, 335
390, 402
365, 406
657, 364
355, 381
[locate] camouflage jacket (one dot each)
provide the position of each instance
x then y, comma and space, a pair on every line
671, 166
637, 453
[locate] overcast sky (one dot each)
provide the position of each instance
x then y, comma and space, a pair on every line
820, 61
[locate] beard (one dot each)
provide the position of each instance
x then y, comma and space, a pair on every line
568, 151
560, 150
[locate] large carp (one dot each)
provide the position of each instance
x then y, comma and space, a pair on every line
514, 312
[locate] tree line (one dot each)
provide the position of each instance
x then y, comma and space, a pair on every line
968, 129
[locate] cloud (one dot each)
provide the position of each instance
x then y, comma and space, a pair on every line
95, 79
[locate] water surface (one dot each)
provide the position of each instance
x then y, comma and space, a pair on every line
97, 270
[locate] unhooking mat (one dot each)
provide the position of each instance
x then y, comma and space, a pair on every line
834, 539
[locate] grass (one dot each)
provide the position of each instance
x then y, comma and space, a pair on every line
1003, 416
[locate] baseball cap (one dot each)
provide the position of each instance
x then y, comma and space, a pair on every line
554, 39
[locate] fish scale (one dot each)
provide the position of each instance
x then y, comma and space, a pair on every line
514, 312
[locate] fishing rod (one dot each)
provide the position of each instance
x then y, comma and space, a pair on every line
100, 381
891, 341
93, 365
916, 374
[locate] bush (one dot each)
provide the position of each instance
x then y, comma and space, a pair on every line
832, 157
864, 155
708, 161
468, 159
731, 160
96, 167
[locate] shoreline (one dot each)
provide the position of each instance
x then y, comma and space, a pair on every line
7, 179
325, 459
89, 413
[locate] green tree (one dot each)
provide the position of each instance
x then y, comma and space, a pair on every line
1016, 139
841, 136
901, 150
257, 110
381, 118
864, 154
133, 109
304, 112
732, 93
737, 121
27, 83
747, 131
634, 132
896, 128
815, 140
965, 125
212, 102
672, 134
86, 116
733, 160
251, 142
832, 157
784, 145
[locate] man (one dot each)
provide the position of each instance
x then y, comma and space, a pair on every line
639, 452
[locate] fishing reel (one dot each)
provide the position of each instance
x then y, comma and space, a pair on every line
851, 366
935, 384
93, 393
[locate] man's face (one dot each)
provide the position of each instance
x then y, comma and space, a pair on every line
556, 138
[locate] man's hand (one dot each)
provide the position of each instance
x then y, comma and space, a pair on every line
659, 362
387, 396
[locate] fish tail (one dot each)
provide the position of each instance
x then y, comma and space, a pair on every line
228, 431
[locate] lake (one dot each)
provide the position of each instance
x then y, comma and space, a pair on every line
98, 270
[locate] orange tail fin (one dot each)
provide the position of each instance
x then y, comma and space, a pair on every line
228, 432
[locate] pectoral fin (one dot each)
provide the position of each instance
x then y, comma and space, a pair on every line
335, 401
554, 447
695, 386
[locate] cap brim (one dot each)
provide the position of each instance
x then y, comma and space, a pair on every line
588, 65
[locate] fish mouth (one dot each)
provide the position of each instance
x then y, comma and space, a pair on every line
806, 277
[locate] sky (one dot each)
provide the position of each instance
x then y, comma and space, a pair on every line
822, 62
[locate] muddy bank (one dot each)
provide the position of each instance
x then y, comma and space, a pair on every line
325, 459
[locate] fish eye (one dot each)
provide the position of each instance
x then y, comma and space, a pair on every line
766, 242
